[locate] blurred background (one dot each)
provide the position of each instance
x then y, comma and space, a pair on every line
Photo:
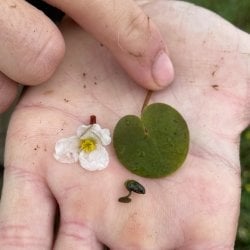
238, 13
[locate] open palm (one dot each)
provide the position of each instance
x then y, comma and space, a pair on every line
195, 208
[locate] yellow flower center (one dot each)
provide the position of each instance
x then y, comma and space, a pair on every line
88, 145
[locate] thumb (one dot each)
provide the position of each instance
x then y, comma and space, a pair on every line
129, 34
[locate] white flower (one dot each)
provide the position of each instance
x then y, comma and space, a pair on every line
87, 147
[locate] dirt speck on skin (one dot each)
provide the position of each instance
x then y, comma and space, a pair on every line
66, 100
215, 86
216, 67
135, 54
60, 131
48, 92
149, 28
36, 147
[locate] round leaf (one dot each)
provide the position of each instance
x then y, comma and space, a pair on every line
155, 145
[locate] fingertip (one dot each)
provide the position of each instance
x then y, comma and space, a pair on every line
153, 74
162, 70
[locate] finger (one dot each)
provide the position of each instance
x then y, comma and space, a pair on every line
130, 35
31, 46
74, 231
77, 216
76, 235
26, 212
8, 92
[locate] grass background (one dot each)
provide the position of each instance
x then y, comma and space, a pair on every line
238, 13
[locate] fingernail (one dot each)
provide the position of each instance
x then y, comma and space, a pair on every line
162, 69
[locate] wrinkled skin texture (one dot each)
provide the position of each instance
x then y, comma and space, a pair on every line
197, 207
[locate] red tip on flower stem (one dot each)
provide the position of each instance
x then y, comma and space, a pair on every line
92, 119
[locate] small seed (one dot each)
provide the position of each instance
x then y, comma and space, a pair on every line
124, 199
134, 186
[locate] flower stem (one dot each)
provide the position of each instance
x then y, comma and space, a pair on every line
92, 120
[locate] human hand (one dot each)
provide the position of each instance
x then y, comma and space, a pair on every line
31, 46
195, 208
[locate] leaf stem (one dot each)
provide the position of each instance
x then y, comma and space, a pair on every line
146, 100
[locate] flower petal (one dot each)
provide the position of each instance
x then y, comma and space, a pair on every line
96, 160
94, 130
67, 149
82, 130
102, 133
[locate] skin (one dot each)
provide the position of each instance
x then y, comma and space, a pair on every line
120, 25
195, 208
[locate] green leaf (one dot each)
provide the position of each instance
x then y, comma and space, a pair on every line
155, 145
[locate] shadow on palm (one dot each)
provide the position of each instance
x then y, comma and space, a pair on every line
197, 206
